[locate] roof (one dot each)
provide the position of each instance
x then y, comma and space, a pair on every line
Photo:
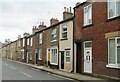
71, 18
80, 4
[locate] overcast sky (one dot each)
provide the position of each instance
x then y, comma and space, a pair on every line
19, 16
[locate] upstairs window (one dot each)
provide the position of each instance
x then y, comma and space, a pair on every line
40, 38
54, 35
64, 31
19, 44
23, 42
113, 8
28, 41
88, 15
31, 41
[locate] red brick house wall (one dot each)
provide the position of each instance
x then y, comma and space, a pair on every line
96, 32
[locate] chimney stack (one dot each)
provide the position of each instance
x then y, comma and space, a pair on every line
25, 34
41, 26
35, 29
67, 13
53, 21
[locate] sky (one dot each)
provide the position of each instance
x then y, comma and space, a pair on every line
19, 16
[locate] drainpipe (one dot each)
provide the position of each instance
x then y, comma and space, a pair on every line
73, 41
73, 47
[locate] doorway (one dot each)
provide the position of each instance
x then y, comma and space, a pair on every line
88, 57
62, 60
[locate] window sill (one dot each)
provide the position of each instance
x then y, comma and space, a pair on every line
63, 39
68, 62
113, 66
40, 59
87, 25
53, 40
53, 63
113, 18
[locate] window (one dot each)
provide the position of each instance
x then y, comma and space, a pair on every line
113, 8
64, 31
28, 41
88, 44
30, 55
67, 56
54, 35
19, 43
54, 56
88, 15
40, 54
23, 54
114, 52
40, 38
23, 42
31, 42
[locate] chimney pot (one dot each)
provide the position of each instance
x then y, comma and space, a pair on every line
64, 9
42, 23
70, 10
67, 9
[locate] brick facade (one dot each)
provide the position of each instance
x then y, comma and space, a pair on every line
95, 33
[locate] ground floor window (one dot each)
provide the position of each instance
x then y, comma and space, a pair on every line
22, 54
40, 54
67, 56
54, 56
30, 55
114, 52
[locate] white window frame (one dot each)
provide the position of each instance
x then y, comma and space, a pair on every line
40, 54
68, 56
30, 55
53, 63
28, 41
54, 34
23, 42
64, 26
23, 54
115, 1
88, 14
40, 38
19, 43
31, 41
116, 65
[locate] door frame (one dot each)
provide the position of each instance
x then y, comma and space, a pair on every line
91, 55
36, 51
27, 57
47, 55
60, 60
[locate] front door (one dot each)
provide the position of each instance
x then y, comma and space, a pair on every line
36, 58
48, 56
27, 57
62, 60
88, 57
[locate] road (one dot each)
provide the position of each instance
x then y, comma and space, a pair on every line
15, 71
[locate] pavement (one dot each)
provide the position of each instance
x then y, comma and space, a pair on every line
74, 76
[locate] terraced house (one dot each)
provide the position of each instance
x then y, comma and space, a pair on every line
66, 41
39, 44
97, 36
52, 43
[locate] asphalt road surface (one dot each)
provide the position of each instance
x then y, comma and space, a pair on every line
15, 71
